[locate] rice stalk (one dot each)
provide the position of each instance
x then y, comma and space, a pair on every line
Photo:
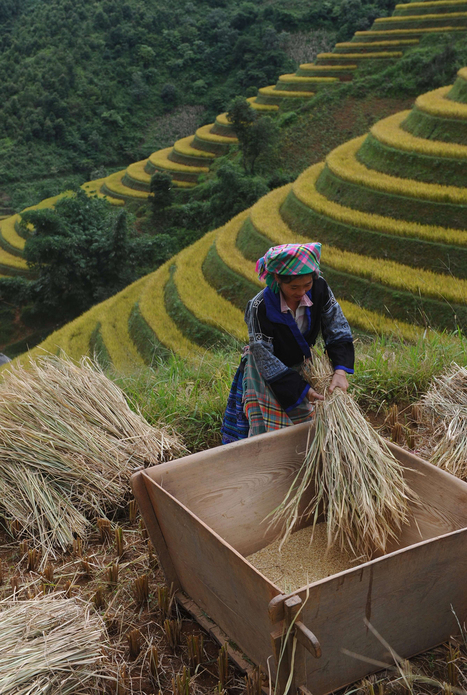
68, 444
445, 403
50, 644
355, 481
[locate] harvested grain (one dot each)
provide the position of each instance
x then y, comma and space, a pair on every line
301, 562
350, 472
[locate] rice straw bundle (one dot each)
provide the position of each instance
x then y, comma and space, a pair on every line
68, 444
356, 481
446, 404
50, 645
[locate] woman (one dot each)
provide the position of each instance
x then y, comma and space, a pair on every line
284, 321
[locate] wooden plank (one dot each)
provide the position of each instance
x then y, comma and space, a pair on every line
220, 581
276, 608
443, 499
233, 488
442, 509
407, 596
296, 662
154, 530
307, 639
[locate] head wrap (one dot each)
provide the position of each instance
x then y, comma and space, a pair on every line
288, 259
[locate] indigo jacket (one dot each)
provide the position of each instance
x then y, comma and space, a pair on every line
277, 344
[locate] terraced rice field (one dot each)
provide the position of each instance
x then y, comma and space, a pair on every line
394, 248
192, 156
387, 40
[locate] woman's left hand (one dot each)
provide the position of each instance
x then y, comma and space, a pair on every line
339, 380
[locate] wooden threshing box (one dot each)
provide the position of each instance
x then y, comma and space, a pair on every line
205, 514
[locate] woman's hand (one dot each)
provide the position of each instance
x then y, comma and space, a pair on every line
339, 380
313, 395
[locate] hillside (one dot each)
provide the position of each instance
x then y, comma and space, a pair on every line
410, 30
87, 85
390, 209
382, 84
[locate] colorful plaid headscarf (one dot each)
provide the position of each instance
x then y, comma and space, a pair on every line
288, 259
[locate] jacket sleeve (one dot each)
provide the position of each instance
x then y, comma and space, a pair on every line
337, 335
287, 385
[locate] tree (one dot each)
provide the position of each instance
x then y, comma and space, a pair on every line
255, 135
231, 192
82, 252
161, 198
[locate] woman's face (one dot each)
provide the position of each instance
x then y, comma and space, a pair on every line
297, 288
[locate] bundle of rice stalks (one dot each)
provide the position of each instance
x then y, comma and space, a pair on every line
51, 644
356, 482
445, 403
68, 444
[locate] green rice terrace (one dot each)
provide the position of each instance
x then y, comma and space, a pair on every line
390, 209
385, 42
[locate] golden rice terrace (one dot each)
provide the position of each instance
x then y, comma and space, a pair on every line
390, 209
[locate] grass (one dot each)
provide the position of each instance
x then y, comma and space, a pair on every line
152, 309
184, 146
204, 133
272, 91
9, 233
114, 320
191, 396
391, 370
206, 304
343, 163
188, 396
160, 160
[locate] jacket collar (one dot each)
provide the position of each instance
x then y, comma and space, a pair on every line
273, 312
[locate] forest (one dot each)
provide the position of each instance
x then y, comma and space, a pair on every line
86, 85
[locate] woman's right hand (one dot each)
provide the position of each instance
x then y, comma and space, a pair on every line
313, 395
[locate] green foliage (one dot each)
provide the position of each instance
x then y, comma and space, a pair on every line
231, 192
83, 252
256, 135
83, 81
162, 196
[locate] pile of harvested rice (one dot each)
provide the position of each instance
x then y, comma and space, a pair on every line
300, 562
68, 444
51, 644
445, 405
356, 481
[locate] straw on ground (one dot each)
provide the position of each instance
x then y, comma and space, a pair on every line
445, 404
51, 644
68, 444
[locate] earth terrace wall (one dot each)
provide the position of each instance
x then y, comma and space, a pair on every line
428, 21
350, 183
439, 258
304, 189
391, 150
423, 8
196, 331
